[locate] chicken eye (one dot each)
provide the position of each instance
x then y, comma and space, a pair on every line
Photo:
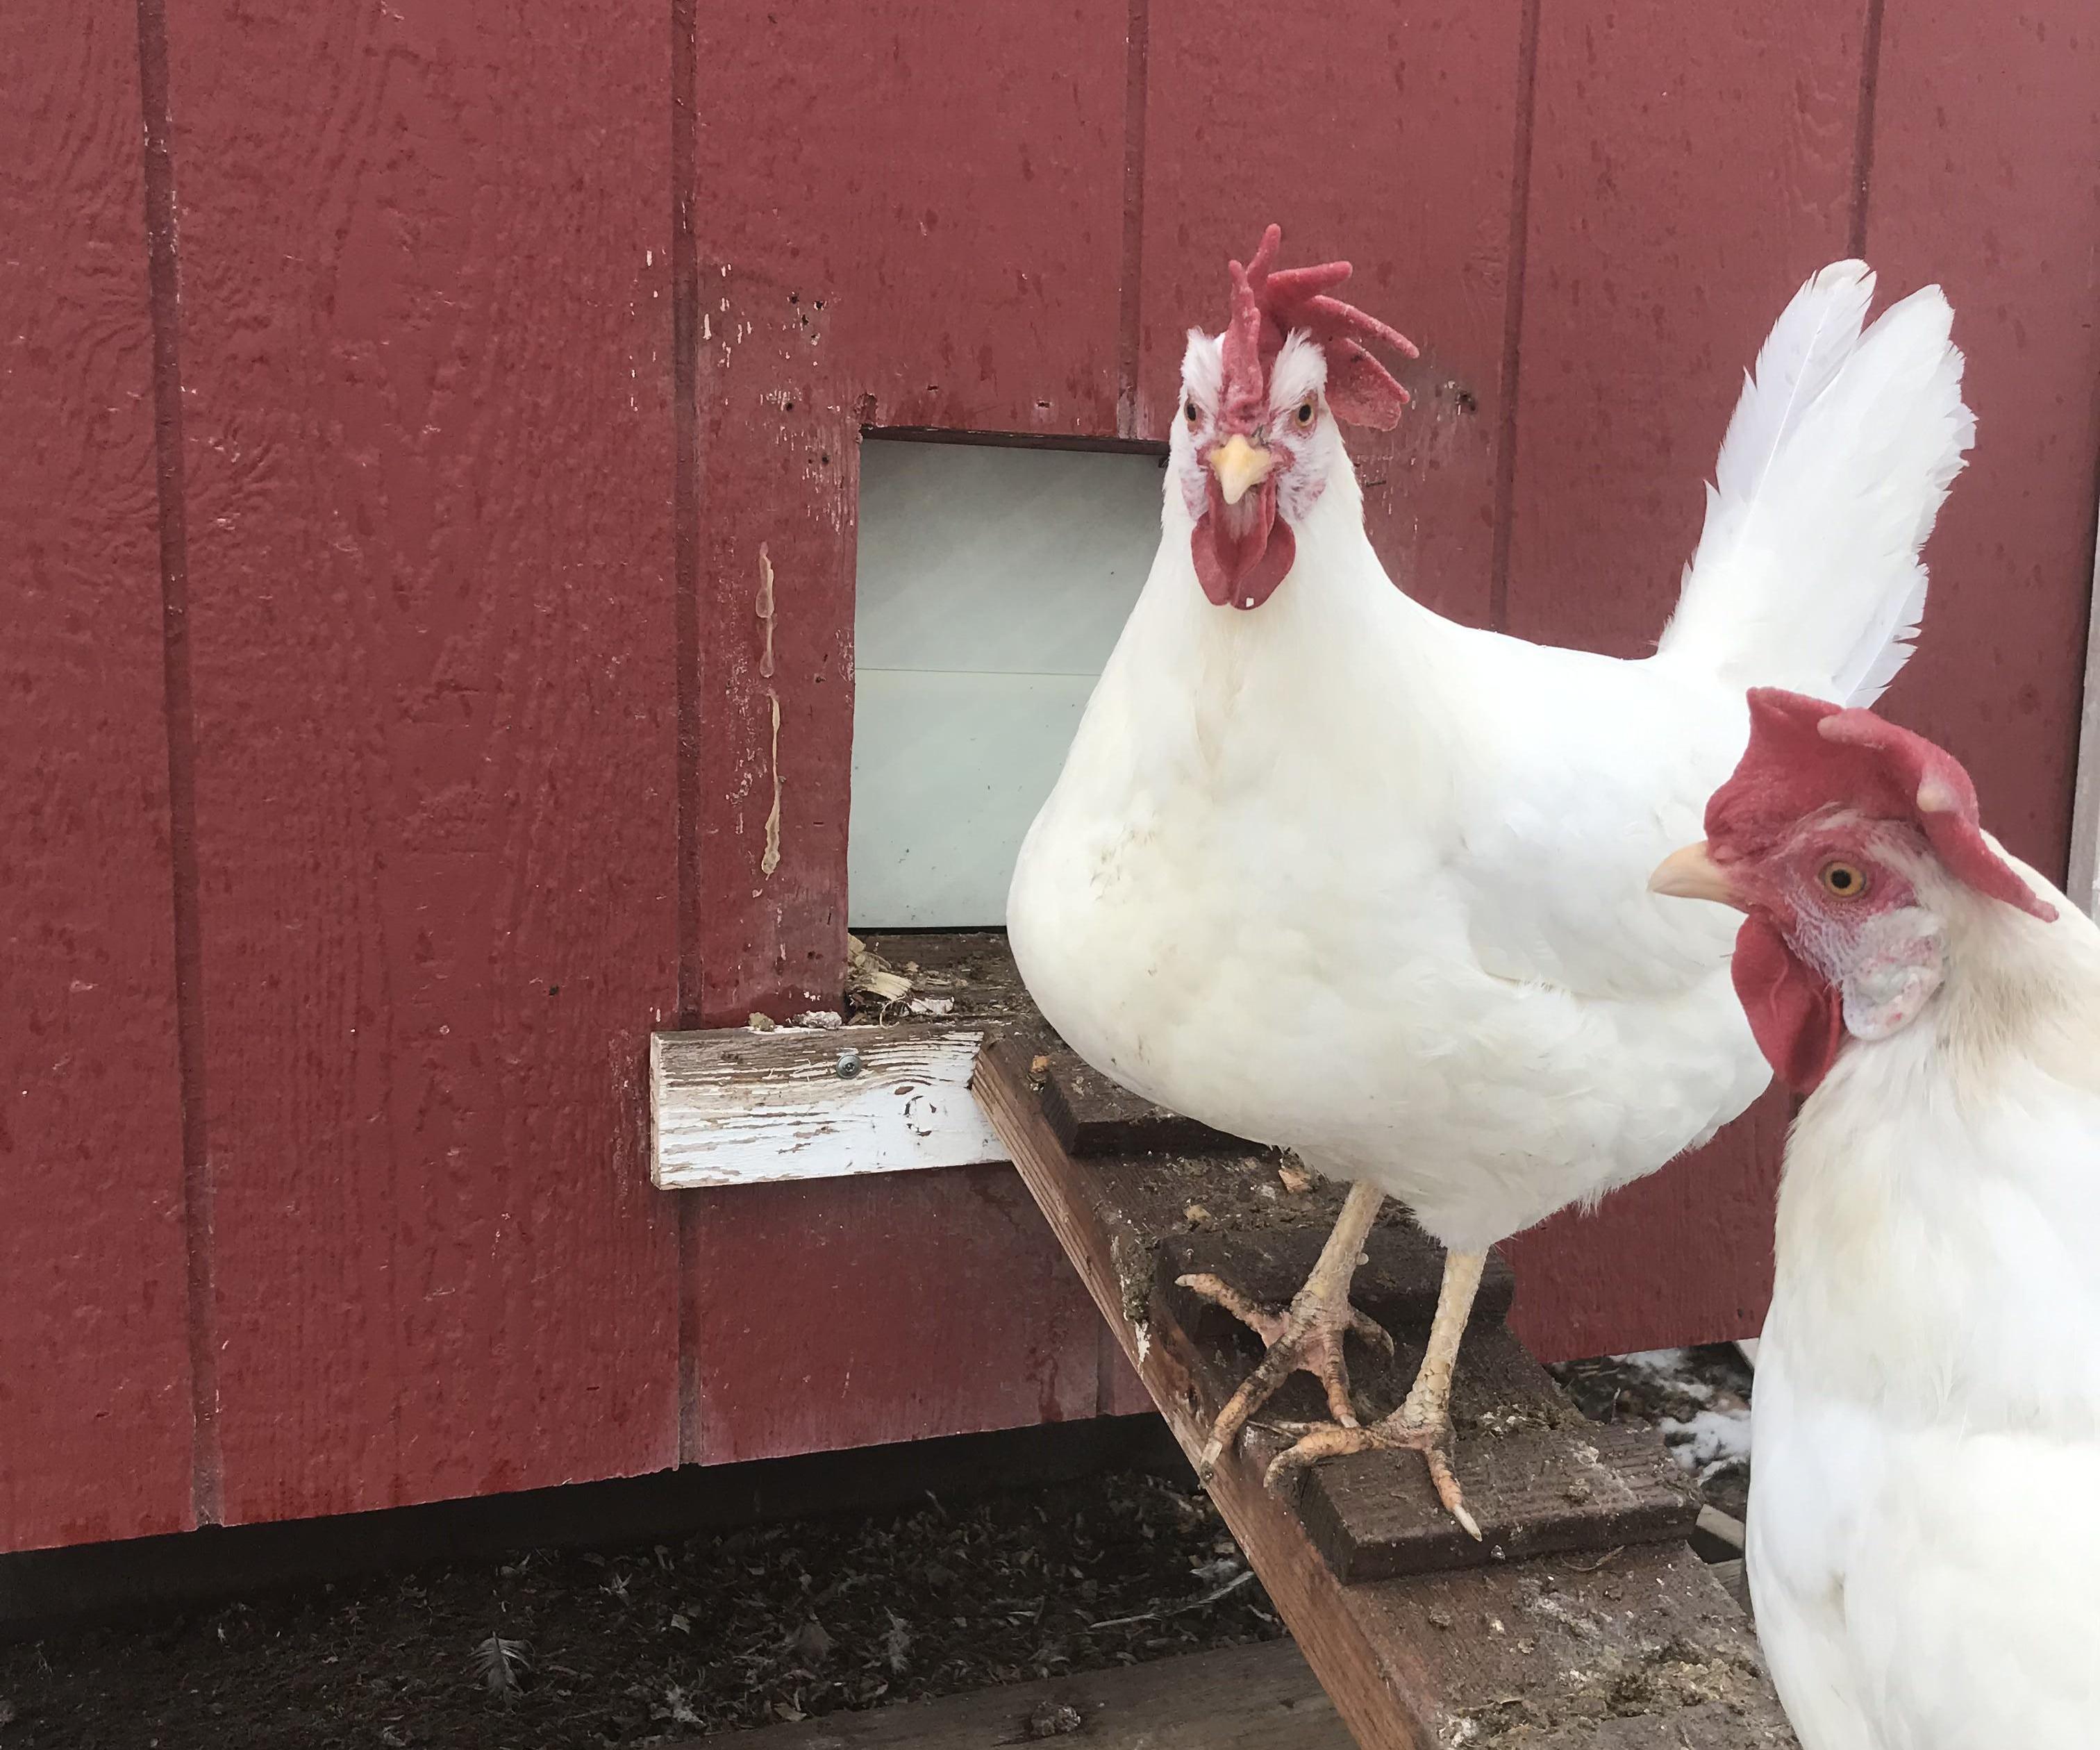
1304, 414
1192, 414
1842, 881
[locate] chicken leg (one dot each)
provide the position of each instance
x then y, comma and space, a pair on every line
1423, 1424
1308, 1335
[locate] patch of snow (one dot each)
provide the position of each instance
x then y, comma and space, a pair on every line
1708, 1440
1677, 1368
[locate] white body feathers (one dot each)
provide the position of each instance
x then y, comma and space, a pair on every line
1341, 874
1925, 1508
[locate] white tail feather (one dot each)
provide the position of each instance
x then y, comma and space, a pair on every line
1838, 457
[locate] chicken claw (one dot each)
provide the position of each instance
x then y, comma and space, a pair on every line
1308, 1335
1423, 1424
1318, 1440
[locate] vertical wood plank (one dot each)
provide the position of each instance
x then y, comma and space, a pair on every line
1689, 168
854, 1311
94, 1404
1384, 135
1986, 177
426, 348
905, 215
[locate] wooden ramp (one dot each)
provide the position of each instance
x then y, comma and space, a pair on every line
1582, 1620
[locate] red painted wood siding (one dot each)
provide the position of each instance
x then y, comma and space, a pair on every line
428, 430
514, 353
95, 1379
1669, 224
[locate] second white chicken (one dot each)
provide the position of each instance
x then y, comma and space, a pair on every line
1925, 1507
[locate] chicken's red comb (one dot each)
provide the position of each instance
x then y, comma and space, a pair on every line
1806, 754
1268, 307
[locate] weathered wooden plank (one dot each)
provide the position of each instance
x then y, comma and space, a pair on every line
1237, 1698
94, 1378
426, 353
887, 1093
858, 1311
1719, 1537
1270, 1238
1534, 1493
738, 1107
1387, 135
1641, 1649
1093, 1115
972, 970
1626, 1648
1732, 1576
1986, 177
1551, 1486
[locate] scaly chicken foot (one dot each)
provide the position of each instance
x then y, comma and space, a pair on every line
1423, 1424
1323, 1439
1308, 1335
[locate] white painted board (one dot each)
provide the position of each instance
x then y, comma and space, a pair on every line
732, 1107
992, 583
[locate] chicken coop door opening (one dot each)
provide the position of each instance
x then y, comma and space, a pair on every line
992, 582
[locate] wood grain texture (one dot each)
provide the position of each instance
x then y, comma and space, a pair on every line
1541, 1478
735, 1107
905, 215
94, 1407
1382, 136
1639, 1647
426, 332
426, 355
1986, 177
1534, 1492
855, 1311
1092, 1115
1689, 169
1238, 1698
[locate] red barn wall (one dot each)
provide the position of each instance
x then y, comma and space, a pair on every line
394, 451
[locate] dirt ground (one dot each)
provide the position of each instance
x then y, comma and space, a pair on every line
663, 1642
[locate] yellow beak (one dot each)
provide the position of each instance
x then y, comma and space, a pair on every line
1240, 466
1691, 874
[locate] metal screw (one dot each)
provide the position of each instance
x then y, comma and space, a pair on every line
848, 1064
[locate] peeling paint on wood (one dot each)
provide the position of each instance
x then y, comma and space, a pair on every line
739, 1107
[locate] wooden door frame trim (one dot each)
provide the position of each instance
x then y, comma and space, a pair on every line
2082, 881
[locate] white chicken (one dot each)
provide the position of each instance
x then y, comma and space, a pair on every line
1325, 871
1925, 1503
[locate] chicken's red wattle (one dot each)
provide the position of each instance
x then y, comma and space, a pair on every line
1797, 1015
1243, 570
